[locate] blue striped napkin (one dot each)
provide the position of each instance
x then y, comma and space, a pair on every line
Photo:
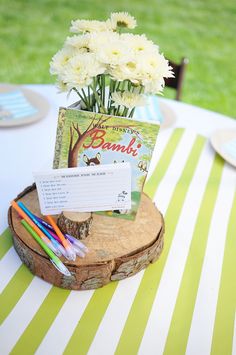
150, 112
14, 105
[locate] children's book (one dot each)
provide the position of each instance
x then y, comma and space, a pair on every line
87, 138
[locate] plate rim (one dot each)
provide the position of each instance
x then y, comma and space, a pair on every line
31, 96
217, 146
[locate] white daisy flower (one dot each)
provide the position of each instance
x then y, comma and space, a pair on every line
60, 59
128, 99
99, 39
89, 26
62, 87
125, 71
122, 19
152, 69
157, 63
114, 53
139, 43
80, 42
154, 86
81, 69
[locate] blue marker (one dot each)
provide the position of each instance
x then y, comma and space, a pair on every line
57, 245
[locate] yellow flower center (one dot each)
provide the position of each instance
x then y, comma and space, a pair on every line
131, 65
115, 52
122, 24
66, 60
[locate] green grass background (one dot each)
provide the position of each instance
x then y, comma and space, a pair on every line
31, 31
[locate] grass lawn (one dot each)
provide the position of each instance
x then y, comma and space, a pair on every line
31, 31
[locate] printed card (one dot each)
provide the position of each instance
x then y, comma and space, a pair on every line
85, 189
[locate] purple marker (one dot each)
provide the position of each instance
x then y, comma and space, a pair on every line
71, 239
77, 250
45, 224
76, 242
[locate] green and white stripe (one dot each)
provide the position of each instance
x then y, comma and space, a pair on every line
160, 317
5, 243
65, 323
120, 301
13, 291
42, 319
185, 302
224, 326
134, 329
9, 264
182, 316
21, 315
205, 307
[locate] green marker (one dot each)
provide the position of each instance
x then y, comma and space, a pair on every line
53, 258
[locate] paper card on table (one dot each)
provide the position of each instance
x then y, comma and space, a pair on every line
85, 189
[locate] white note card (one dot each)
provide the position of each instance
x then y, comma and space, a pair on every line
85, 189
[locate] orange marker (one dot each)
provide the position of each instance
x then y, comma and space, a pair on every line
71, 255
58, 232
28, 220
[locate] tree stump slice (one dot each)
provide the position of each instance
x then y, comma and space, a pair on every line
117, 248
75, 223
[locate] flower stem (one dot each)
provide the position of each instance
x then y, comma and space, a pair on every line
89, 99
124, 114
104, 89
132, 112
101, 107
86, 98
81, 97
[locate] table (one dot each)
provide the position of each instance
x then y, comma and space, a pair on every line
183, 303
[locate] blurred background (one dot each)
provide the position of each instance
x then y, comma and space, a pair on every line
201, 30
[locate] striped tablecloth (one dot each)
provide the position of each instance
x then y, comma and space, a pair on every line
183, 303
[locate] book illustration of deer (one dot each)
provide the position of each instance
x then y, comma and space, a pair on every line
142, 165
78, 137
92, 161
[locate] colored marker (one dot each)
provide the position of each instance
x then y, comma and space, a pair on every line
35, 228
43, 222
64, 241
77, 250
44, 230
76, 242
64, 253
53, 258
69, 237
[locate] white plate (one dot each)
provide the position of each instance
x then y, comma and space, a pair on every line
35, 99
219, 139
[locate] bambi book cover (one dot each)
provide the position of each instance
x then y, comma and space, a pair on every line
87, 138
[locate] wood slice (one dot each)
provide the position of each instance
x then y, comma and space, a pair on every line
117, 248
75, 223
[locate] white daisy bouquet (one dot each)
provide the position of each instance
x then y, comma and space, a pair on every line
111, 71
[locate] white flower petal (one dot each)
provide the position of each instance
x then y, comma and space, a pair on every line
123, 19
128, 99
